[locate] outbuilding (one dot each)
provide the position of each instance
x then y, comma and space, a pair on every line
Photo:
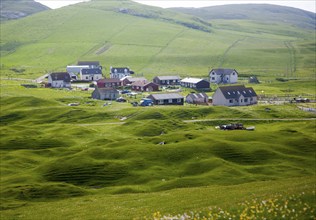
197, 98
145, 86
167, 80
195, 83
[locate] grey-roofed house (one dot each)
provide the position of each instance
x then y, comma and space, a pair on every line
195, 83
234, 96
105, 93
167, 80
91, 64
127, 80
197, 98
119, 72
145, 86
223, 76
167, 99
91, 74
59, 80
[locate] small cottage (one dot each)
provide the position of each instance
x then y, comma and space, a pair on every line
144, 86
223, 76
105, 93
197, 98
234, 96
109, 83
91, 74
167, 99
195, 83
119, 72
59, 80
167, 80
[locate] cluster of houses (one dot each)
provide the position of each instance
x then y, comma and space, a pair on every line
107, 88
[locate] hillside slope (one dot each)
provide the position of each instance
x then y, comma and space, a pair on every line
15, 9
152, 41
257, 12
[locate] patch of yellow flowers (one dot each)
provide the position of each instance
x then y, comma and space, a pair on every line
276, 207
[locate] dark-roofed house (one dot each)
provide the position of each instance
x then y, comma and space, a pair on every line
91, 64
195, 83
119, 72
105, 93
91, 74
167, 99
197, 98
59, 80
167, 80
144, 86
223, 76
127, 80
109, 83
234, 96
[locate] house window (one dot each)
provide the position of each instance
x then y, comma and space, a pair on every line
230, 101
213, 78
160, 101
87, 77
170, 100
233, 73
213, 73
251, 99
246, 100
240, 100
178, 100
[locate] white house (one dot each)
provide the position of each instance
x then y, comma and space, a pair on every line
234, 96
223, 76
119, 73
91, 74
59, 80
75, 69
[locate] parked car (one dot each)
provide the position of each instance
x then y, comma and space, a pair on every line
146, 102
125, 91
121, 99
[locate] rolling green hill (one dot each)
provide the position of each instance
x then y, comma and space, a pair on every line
154, 41
263, 13
15, 9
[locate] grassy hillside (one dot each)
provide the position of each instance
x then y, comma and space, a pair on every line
51, 151
15, 9
153, 41
264, 13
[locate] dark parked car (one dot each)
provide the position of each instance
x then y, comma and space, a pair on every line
120, 99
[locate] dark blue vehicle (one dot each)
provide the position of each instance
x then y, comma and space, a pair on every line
146, 102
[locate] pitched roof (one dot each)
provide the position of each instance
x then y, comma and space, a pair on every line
168, 77
60, 76
222, 71
191, 80
119, 69
105, 90
91, 71
142, 83
135, 79
166, 96
197, 95
234, 92
109, 80
88, 63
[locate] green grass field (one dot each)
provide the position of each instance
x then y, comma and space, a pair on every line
84, 156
